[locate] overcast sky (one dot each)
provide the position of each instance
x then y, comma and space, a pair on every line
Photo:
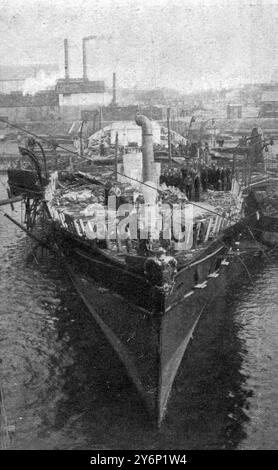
185, 44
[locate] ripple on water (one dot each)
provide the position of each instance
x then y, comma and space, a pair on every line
258, 328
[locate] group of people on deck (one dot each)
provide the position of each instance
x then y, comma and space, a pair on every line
193, 150
192, 180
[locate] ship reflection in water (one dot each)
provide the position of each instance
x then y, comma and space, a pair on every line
65, 388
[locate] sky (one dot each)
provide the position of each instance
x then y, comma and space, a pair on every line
184, 44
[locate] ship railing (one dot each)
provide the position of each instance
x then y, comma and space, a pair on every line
189, 236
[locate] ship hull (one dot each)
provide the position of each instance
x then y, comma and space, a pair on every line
148, 329
148, 326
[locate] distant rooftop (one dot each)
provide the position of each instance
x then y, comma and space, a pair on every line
77, 85
269, 96
235, 105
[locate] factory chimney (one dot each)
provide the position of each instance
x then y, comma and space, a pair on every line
114, 100
66, 49
84, 52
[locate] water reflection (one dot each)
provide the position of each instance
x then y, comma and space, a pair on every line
209, 400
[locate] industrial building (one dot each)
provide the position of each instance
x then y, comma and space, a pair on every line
76, 92
13, 77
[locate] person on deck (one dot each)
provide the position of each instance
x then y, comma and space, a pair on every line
229, 178
217, 181
223, 179
197, 187
181, 149
102, 149
204, 178
188, 185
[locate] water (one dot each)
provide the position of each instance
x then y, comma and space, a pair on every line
65, 389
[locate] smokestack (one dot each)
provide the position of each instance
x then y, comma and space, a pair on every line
85, 77
84, 52
66, 49
114, 100
147, 146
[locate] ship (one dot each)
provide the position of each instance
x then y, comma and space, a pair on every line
146, 293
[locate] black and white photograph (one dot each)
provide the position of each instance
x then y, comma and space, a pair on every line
138, 228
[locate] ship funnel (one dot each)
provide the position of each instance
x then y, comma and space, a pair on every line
84, 51
66, 50
147, 146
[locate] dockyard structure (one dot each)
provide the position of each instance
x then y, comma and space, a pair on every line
128, 133
269, 104
67, 101
113, 113
234, 111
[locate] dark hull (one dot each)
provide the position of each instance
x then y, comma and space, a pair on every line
148, 329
